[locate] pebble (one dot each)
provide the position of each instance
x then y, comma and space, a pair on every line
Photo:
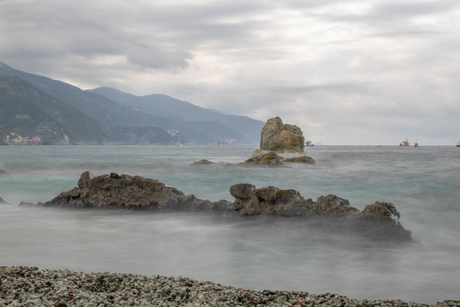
32, 286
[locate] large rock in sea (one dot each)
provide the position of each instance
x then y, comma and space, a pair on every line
281, 138
379, 221
131, 192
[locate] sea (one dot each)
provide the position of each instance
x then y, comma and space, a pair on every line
422, 182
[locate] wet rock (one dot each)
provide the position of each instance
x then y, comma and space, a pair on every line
261, 158
115, 176
203, 162
380, 211
242, 190
332, 205
75, 192
302, 159
379, 221
85, 179
130, 192
267, 158
281, 138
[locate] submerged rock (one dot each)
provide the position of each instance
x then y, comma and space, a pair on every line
3, 172
203, 162
379, 221
266, 157
302, 159
261, 158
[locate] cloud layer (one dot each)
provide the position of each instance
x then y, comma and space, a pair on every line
347, 72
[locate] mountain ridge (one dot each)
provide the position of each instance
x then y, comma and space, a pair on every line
164, 104
214, 128
29, 116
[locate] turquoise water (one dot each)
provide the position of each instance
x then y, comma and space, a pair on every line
423, 183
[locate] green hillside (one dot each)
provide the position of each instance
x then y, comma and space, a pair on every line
109, 113
163, 105
30, 116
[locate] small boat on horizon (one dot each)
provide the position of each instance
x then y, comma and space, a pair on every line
404, 143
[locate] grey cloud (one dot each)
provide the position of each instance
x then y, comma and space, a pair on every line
61, 29
399, 9
158, 59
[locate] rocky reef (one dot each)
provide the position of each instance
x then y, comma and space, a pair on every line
262, 158
271, 158
378, 221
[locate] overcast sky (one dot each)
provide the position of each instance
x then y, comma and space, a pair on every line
347, 72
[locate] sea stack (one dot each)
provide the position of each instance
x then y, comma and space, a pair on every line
281, 138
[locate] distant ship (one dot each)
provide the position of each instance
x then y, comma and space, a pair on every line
416, 144
405, 143
458, 144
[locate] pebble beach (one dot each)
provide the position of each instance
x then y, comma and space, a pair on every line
32, 286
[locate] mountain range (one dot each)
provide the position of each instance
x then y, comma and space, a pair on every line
112, 116
30, 116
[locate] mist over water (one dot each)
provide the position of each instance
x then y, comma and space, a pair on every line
423, 183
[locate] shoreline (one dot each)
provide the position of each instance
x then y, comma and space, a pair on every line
32, 286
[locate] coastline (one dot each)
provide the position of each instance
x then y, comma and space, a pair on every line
32, 286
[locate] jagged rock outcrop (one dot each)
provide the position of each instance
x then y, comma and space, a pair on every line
131, 192
281, 138
379, 221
